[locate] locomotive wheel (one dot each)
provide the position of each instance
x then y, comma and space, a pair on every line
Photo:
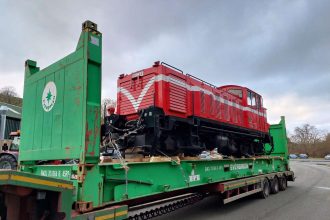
275, 185
283, 183
265, 189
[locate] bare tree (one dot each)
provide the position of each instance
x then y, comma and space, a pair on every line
327, 141
327, 138
307, 134
9, 95
8, 91
308, 139
105, 102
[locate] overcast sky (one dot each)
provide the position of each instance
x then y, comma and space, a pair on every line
280, 49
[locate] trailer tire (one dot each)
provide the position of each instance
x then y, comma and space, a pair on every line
8, 162
265, 189
274, 185
283, 183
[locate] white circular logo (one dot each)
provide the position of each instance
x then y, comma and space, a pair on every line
49, 96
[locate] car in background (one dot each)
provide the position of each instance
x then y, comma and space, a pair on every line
303, 156
293, 156
327, 157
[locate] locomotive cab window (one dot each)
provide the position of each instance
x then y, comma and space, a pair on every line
236, 92
259, 101
251, 99
254, 100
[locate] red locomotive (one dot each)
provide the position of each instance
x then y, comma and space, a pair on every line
164, 111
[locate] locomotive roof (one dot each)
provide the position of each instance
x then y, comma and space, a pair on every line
178, 71
236, 86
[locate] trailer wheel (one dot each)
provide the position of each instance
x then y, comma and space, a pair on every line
283, 183
274, 185
8, 162
265, 189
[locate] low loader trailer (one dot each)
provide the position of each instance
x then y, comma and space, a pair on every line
61, 176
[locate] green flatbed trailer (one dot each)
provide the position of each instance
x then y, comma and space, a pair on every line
61, 122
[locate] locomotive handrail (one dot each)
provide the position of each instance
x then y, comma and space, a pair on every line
202, 81
166, 64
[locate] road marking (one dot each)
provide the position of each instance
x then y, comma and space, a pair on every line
322, 187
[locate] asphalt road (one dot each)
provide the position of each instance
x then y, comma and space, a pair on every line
306, 198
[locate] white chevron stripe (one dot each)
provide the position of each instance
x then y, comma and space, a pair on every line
136, 103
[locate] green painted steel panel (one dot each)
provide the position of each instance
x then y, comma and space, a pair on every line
153, 178
64, 123
278, 132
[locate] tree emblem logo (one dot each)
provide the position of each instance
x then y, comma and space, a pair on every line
49, 96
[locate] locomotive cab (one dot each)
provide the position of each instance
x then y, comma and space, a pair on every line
255, 113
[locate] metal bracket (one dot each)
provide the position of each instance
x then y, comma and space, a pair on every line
81, 173
84, 206
90, 26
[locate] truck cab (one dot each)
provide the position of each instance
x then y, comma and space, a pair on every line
9, 158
